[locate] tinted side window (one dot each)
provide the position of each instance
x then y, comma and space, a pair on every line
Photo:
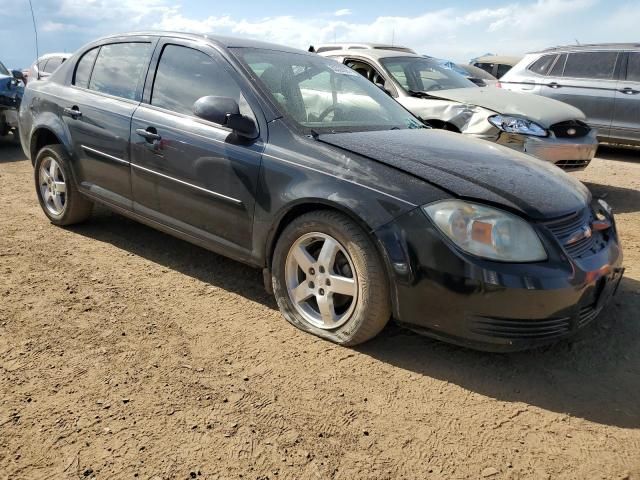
558, 67
542, 65
52, 64
118, 69
487, 67
596, 65
502, 69
633, 67
84, 67
184, 75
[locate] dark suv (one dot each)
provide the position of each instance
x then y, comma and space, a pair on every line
298, 165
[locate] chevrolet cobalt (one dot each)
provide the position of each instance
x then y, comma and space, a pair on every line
298, 165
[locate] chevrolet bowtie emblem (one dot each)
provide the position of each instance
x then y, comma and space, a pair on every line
583, 232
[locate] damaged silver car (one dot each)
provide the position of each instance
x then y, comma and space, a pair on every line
547, 129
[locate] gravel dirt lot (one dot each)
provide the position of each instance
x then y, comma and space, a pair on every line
125, 353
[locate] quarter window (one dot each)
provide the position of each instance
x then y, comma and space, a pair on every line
184, 75
598, 65
84, 67
633, 67
558, 67
52, 64
118, 69
542, 65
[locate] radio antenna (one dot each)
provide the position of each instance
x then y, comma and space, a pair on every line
35, 30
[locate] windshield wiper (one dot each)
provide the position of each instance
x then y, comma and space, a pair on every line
419, 94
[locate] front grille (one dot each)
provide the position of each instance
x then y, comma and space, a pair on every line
572, 164
587, 315
570, 129
565, 228
520, 329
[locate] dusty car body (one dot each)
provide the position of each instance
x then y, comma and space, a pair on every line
11, 91
297, 165
545, 128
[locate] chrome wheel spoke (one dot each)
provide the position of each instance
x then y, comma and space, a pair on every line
53, 170
57, 202
302, 293
303, 257
328, 252
327, 309
61, 187
342, 285
44, 176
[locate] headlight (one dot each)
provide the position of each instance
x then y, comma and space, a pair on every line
517, 125
487, 232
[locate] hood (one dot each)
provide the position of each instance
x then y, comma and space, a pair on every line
542, 110
472, 169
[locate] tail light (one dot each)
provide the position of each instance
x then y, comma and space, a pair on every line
498, 84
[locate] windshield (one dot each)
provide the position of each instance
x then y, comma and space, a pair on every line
3, 70
423, 75
323, 95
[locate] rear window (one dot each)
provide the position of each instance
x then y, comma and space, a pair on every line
84, 67
542, 65
595, 65
633, 67
487, 67
558, 67
118, 69
52, 64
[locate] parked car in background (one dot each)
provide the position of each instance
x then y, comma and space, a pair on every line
601, 80
11, 91
332, 47
496, 65
478, 76
298, 165
46, 65
545, 128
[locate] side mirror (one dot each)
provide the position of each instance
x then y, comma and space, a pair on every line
225, 111
17, 74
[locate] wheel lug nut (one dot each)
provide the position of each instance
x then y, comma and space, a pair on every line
312, 271
321, 269
312, 285
321, 291
328, 282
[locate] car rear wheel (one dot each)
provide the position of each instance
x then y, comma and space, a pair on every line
329, 280
57, 193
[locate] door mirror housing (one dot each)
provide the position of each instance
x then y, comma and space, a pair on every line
226, 112
17, 74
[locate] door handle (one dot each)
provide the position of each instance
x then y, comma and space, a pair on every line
150, 134
74, 112
630, 91
554, 85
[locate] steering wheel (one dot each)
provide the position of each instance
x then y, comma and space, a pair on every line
327, 111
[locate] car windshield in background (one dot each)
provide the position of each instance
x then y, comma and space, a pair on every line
3, 70
324, 95
424, 75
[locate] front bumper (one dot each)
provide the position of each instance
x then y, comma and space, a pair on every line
567, 153
445, 293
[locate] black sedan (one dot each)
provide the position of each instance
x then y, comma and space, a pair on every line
298, 165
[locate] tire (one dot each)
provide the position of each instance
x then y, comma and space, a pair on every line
363, 308
71, 206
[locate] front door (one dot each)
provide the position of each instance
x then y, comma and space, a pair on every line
190, 174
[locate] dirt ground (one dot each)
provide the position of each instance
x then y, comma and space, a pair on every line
125, 353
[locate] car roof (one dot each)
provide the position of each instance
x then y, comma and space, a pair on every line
591, 46
503, 59
219, 40
371, 54
326, 47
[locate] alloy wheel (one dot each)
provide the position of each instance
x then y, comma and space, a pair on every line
53, 187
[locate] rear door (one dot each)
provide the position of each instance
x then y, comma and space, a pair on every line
191, 174
626, 116
587, 81
107, 87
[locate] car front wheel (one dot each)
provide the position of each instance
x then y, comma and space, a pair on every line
329, 280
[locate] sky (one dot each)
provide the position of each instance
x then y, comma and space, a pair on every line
455, 29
